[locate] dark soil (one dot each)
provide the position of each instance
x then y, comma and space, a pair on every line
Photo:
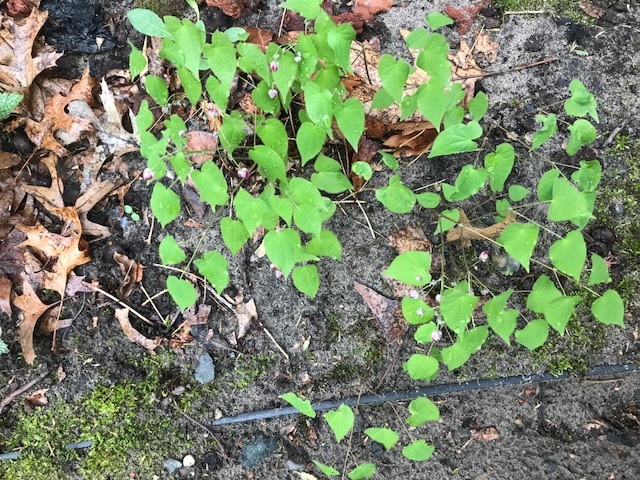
129, 402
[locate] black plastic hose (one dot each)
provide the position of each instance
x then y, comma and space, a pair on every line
404, 395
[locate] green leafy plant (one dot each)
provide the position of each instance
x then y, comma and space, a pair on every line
293, 208
8, 102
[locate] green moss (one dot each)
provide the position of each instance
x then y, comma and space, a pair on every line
127, 437
333, 328
161, 7
248, 369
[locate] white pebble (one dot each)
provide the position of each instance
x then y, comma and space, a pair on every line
188, 461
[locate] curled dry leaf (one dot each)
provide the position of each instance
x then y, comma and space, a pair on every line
246, 314
132, 272
387, 312
464, 232
36, 399
122, 315
5, 296
182, 334
18, 66
31, 309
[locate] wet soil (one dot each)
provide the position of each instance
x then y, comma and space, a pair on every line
581, 428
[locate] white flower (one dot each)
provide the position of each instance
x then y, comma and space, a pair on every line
147, 174
436, 335
273, 93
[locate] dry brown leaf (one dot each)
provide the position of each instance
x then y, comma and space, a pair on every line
132, 272
182, 334
57, 121
465, 70
246, 314
21, 8
198, 140
464, 232
122, 315
18, 66
50, 322
484, 45
5, 295
465, 16
387, 312
36, 399
233, 8
409, 239
63, 252
485, 434
31, 310
76, 284
591, 9
368, 8
96, 192
8, 160
259, 37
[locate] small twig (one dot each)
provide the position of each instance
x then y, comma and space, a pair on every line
195, 422
9, 398
122, 304
150, 300
285, 354
526, 12
508, 70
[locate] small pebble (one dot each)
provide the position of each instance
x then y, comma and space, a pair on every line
188, 461
171, 465
205, 371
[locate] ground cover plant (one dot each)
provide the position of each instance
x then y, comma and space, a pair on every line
304, 79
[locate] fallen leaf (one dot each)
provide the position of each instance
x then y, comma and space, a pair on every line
132, 272
369, 8
122, 315
50, 322
233, 8
76, 284
63, 252
246, 315
5, 295
465, 70
182, 334
21, 8
464, 232
409, 239
36, 399
591, 9
198, 140
465, 16
484, 45
259, 37
18, 66
31, 309
8, 160
387, 312
485, 434
57, 121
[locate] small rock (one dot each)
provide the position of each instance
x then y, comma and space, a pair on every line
188, 461
171, 465
256, 451
205, 371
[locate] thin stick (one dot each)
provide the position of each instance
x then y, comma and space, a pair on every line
9, 398
144, 290
122, 304
373, 235
509, 70
285, 354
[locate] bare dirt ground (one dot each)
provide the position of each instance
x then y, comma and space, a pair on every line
141, 410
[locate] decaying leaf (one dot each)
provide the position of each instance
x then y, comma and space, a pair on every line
387, 312
122, 315
21, 8
464, 69
259, 37
182, 334
8, 160
409, 239
31, 309
76, 284
246, 314
36, 399
465, 16
62, 252
18, 65
5, 296
487, 47
200, 141
57, 121
485, 434
369, 8
132, 272
233, 8
591, 9
464, 232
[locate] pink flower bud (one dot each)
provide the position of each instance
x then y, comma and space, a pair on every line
147, 174
484, 256
276, 272
438, 297
274, 66
436, 335
244, 173
273, 93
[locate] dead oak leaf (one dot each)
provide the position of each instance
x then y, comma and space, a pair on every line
132, 271
18, 66
369, 8
63, 252
31, 309
387, 312
57, 121
487, 47
464, 232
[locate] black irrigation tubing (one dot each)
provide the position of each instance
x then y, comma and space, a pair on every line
375, 399
484, 384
